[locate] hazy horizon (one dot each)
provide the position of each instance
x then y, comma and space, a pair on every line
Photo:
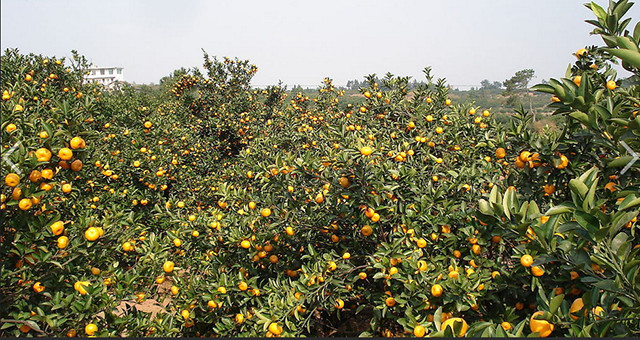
301, 43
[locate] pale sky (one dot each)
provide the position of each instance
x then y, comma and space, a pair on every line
301, 42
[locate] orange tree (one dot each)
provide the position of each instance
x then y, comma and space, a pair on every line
577, 224
45, 110
224, 210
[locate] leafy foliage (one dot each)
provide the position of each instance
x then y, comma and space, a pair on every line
215, 209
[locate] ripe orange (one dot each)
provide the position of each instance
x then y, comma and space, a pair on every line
562, 163
79, 286
537, 271
91, 329
436, 290
275, 328
65, 154
127, 246
25, 204
526, 260
581, 52
577, 80
449, 323
12, 180
549, 189
542, 327
611, 85
476, 249
57, 227
245, 244
92, 234
576, 306
344, 182
390, 301
419, 331
77, 143
266, 212
339, 304
38, 287
598, 312
525, 156
168, 266
16, 193
375, 217
366, 150
47, 173
35, 176
500, 153
63, 241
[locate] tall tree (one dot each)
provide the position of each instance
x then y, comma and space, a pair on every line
517, 85
487, 85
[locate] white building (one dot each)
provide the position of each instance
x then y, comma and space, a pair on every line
106, 76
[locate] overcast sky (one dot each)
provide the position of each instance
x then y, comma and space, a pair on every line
301, 42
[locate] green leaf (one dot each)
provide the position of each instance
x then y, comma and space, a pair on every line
598, 11
545, 88
533, 211
560, 209
500, 333
628, 56
578, 188
587, 221
581, 117
620, 162
629, 202
437, 317
618, 241
519, 328
495, 196
555, 303
608, 285
484, 207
